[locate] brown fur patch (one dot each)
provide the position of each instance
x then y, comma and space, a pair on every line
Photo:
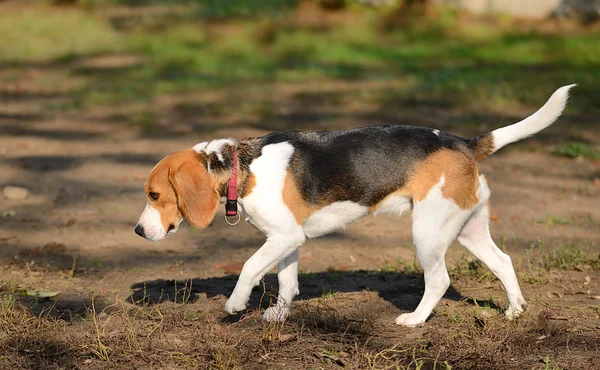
249, 184
484, 146
221, 177
460, 175
294, 201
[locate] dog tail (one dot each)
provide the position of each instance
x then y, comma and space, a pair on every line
486, 144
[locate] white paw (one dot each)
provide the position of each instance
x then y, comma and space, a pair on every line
515, 311
234, 304
276, 314
410, 320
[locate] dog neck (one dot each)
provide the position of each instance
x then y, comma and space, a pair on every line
219, 161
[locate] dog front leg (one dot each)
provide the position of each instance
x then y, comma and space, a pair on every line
277, 248
288, 289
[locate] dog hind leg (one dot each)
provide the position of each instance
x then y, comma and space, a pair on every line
476, 238
436, 223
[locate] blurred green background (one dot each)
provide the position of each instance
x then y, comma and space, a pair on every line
379, 61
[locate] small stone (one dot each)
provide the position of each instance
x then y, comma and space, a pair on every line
15, 193
485, 314
285, 337
10, 213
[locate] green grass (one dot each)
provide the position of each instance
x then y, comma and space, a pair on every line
575, 150
552, 220
467, 266
329, 294
570, 257
470, 64
44, 34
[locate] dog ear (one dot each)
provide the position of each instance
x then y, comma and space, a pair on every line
197, 195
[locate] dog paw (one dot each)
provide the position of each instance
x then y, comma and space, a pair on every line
409, 320
234, 305
515, 311
276, 314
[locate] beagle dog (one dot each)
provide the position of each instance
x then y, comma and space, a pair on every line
295, 185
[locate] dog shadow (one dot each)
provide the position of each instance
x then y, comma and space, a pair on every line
404, 290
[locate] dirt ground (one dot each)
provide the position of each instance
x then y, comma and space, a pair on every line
128, 303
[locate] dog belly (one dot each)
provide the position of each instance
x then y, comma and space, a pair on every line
394, 205
333, 217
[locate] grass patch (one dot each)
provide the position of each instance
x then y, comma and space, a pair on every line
567, 257
576, 150
329, 294
30, 341
412, 267
470, 63
400, 265
570, 257
467, 266
552, 220
221, 9
43, 34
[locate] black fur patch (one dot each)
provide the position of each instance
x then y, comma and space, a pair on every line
361, 165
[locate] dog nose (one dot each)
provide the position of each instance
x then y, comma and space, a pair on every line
139, 229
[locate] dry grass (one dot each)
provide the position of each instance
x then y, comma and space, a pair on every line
325, 332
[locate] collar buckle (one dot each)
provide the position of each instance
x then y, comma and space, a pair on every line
231, 207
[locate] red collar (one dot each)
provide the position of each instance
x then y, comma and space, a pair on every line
231, 205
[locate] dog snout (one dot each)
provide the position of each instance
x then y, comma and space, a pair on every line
139, 229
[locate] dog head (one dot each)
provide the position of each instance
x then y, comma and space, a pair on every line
179, 187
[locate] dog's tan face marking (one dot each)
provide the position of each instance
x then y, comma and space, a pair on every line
179, 186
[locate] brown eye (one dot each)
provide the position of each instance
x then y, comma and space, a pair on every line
153, 196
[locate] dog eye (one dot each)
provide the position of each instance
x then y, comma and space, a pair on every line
153, 196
